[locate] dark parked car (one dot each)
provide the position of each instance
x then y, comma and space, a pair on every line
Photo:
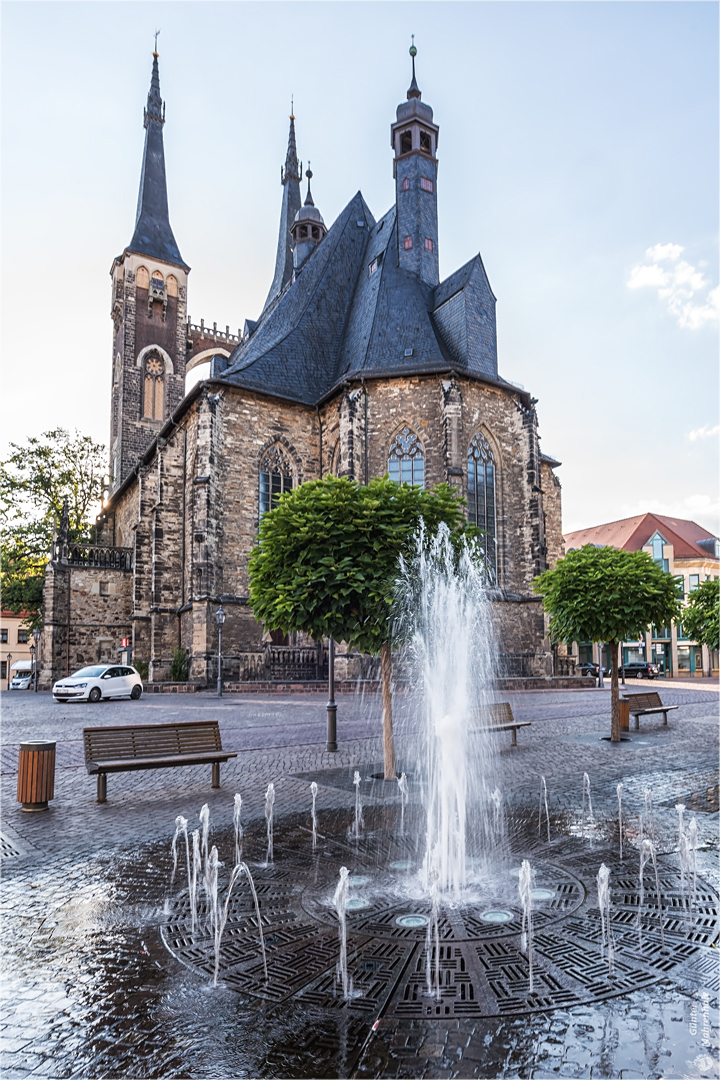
641, 669
591, 669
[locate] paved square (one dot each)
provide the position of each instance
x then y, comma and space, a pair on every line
95, 983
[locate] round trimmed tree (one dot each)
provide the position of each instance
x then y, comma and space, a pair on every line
607, 594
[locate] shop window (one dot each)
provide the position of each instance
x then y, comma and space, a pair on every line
276, 477
406, 459
406, 142
22, 637
172, 285
407, 243
426, 183
482, 499
142, 278
153, 388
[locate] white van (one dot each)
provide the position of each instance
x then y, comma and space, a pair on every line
23, 677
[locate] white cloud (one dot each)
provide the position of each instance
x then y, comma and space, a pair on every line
678, 284
664, 251
704, 432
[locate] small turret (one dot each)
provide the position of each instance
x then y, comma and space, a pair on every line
308, 228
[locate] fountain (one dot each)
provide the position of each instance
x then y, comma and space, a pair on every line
237, 809
443, 618
620, 819
586, 791
526, 891
340, 903
359, 823
544, 800
313, 792
269, 804
196, 869
603, 887
403, 786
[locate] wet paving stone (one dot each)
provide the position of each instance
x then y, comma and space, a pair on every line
90, 988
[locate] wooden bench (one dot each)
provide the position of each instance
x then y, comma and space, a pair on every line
646, 704
499, 717
152, 746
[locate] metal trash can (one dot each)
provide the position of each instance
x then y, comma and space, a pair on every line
624, 714
36, 775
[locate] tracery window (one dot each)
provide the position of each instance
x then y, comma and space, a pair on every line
276, 477
153, 388
406, 459
482, 500
157, 281
142, 278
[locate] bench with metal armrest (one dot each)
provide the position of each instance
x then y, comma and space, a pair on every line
647, 704
499, 717
152, 746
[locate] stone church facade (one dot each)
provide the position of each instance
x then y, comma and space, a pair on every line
362, 362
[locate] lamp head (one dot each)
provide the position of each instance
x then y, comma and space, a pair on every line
220, 616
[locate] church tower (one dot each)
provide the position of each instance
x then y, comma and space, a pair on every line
414, 139
290, 177
149, 306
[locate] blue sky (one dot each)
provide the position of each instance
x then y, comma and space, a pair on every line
578, 153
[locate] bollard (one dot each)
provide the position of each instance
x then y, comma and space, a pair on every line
36, 775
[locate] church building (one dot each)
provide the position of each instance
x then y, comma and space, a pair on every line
361, 362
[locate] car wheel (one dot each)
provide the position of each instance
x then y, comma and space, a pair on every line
136, 692
94, 694
639, 675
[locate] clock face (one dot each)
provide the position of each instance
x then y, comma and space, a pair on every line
153, 366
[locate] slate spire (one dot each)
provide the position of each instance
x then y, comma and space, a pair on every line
153, 236
414, 91
290, 177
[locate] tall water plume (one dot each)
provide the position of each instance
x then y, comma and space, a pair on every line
442, 619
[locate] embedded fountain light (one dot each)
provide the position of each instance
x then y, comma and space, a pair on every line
401, 864
412, 922
358, 880
542, 894
355, 903
497, 916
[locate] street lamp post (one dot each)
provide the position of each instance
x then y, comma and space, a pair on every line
32, 659
220, 617
36, 636
331, 706
8, 661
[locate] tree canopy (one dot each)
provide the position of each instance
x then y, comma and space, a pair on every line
606, 594
327, 555
35, 480
700, 615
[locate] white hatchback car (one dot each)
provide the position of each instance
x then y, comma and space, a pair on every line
99, 681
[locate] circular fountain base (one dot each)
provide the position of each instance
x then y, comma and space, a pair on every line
483, 971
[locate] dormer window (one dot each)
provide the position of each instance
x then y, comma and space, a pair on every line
425, 142
407, 243
406, 142
406, 184
426, 184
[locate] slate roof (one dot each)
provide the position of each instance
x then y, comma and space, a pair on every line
338, 320
153, 236
634, 532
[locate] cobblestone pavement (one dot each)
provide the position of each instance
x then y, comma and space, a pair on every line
89, 989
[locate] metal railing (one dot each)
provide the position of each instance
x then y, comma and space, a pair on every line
93, 555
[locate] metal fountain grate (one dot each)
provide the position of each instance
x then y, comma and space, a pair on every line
482, 971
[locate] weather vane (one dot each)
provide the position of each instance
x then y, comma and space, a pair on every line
157, 32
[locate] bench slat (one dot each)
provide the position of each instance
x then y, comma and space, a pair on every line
125, 765
151, 740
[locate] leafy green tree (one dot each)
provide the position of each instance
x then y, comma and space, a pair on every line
327, 557
700, 615
35, 481
607, 594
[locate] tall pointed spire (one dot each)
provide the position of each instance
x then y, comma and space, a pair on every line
290, 177
153, 236
414, 91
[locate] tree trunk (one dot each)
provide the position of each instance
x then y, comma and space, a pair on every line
388, 741
613, 647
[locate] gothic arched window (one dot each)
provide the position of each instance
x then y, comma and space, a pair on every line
276, 477
172, 285
406, 459
153, 388
142, 278
482, 499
